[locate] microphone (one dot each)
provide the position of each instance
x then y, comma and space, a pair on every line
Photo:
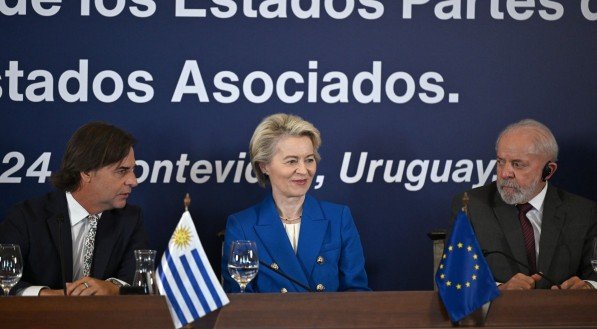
278, 271
60, 219
487, 253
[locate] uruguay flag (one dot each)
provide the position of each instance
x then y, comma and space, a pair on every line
186, 278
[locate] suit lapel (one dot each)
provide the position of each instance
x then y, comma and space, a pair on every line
507, 216
271, 232
313, 229
58, 210
104, 242
551, 227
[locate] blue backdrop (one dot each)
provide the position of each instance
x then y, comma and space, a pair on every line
409, 97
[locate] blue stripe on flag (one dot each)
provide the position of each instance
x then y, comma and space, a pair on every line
207, 278
171, 298
176, 276
194, 283
195, 298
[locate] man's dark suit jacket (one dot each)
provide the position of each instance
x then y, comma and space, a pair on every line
568, 229
33, 225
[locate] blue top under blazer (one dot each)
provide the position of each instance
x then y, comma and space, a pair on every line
329, 254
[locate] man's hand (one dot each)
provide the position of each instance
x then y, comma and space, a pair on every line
51, 292
574, 283
87, 286
520, 282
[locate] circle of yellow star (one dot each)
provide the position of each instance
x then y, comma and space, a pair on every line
181, 237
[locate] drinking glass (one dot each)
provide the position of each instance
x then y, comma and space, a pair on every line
145, 272
11, 266
594, 257
243, 262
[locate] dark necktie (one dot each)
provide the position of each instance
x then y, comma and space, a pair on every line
528, 234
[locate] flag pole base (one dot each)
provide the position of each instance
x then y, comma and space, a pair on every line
475, 319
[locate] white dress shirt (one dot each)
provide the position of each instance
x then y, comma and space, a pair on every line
79, 228
293, 230
535, 216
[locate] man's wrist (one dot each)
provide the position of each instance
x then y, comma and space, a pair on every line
116, 282
31, 291
50, 292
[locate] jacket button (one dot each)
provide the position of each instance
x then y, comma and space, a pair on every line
320, 287
320, 260
283, 290
274, 266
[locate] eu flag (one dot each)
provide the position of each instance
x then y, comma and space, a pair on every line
463, 278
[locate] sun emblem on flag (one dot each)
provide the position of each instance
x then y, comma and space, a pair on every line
182, 237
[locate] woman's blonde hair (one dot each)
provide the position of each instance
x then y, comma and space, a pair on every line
267, 134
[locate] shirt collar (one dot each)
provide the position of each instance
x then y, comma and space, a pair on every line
539, 199
76, 212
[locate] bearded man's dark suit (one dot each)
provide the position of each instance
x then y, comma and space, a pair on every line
568, 229
33, 225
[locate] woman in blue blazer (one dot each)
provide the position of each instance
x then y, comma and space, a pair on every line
314, 242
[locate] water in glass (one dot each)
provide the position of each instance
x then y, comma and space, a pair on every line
243, 263
243, 274
145, 271
594, 258
11, 266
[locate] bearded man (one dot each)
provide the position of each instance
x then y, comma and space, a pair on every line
527, 226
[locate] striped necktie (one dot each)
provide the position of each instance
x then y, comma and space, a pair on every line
528, 235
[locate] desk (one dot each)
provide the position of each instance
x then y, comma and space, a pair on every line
402, 309
396, 309
142, 312
333, 310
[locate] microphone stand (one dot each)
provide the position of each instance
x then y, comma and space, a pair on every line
487, 253
285, 275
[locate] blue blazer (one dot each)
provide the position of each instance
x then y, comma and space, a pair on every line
329, 253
